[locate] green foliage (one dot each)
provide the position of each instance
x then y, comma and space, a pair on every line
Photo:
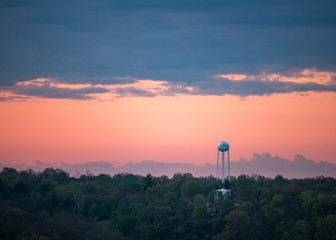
148, 181
319, 204
246, 188
124, 224
302, 230
199, 214
52, 205
227, 184
237, 226
273, 211
211, 196
193, 187
8, 171
156, 230
326, 228
226, 205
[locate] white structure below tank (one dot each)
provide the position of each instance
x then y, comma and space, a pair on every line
225, 192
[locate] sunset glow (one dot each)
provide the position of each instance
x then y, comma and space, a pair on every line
168, 129
134, 81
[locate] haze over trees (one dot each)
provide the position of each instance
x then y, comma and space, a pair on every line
52, 205
261, 164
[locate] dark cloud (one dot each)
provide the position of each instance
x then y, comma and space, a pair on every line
133, 92
261, 164
99, 80
245, 88
7, 99
176, 89
169, 40
56, 92
242, 85
109, 80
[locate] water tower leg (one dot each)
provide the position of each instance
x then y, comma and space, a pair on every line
223, 167
229, 176
217, 164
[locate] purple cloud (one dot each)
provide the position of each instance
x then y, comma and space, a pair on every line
262, 164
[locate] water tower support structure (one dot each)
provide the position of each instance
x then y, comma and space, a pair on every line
223, 147
217, 165
229, 176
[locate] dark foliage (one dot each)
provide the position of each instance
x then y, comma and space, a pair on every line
53, 205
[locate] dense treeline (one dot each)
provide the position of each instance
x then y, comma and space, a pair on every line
53, 205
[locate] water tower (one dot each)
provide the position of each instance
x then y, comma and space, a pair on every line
223, 147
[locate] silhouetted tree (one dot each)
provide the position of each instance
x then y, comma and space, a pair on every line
237, 226
148, 181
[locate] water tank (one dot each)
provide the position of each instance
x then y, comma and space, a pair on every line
223, 146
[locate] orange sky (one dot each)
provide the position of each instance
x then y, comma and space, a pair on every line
169, 129
166, 81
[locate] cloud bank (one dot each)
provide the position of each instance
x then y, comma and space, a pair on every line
175, 41
262, 164
116, 87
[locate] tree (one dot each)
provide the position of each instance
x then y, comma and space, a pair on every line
20, 187
246, 188
58, 175
274, 209
124, 223
225, 205
154, 231
237, 226
192, 187
280, 180
326, 228
319, 204
199, 215
302, 230
8, 171
227, 184
36, 205
148, 182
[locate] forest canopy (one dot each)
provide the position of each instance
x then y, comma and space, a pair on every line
53, 205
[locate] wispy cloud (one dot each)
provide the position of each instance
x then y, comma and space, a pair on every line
304, 76
267, 84
134, 92
106, 89
241, 85
50, 88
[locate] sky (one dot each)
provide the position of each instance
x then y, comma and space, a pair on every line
124, 81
